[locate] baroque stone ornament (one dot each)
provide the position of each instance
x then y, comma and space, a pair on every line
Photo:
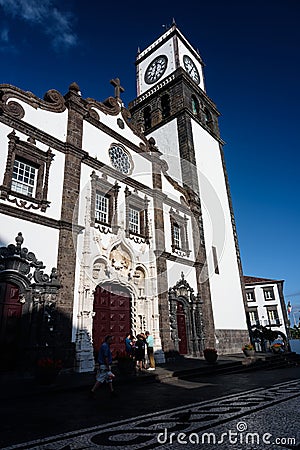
16, 258
53, 101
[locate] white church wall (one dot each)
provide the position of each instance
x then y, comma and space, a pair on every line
174, 271
225, 286
53, 123
39, 239
97, 144
167, 141
112, 123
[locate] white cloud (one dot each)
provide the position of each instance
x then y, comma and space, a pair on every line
54, 23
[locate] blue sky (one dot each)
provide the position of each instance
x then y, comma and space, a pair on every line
252, 56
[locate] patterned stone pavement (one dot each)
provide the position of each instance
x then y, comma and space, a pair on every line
264, 418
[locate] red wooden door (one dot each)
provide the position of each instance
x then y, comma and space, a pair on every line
10, 324
181, 328
112, 316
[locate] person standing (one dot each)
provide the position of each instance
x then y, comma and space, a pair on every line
104, 374
140, 346
150, 350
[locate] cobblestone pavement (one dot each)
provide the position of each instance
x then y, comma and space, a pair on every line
262, 418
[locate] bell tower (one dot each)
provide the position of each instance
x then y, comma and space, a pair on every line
173, 107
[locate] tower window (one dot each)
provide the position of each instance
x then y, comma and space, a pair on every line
208, 118
195, 106
269, 293
147, 117
165, 106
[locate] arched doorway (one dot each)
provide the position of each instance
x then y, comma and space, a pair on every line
10, 324
181, 329
112, 316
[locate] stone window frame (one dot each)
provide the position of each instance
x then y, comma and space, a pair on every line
100, 185
27, 152
133, 201
250, 291
165, 106
181, 222
266, 290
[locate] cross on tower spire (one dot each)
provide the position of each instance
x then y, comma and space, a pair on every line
118, 88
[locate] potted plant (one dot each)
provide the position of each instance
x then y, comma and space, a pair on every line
210, 354
276, 348
47, 370
248, 349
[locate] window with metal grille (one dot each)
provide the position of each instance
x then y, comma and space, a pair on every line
134, 220
23, 178
101, 208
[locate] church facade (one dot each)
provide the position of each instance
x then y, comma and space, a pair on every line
117, 220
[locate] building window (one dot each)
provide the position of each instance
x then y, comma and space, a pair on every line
102, 208
195, 106
120, 159
147, 117
253, 317
26, 176
215, 260
250, 295
134, 221
137, 227
104, 203
23, 178
269, 293
273, 318
165, 106
208, 119
179, 233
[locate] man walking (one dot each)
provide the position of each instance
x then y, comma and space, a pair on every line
150, 352
104, 375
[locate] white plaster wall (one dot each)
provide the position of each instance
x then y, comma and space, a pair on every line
174, 271
167, 142
226, 292
56, 173
41, 240
55, 124
112, 122
261, 304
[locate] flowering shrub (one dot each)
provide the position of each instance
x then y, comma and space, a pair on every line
49, 363
277, 345
248, 347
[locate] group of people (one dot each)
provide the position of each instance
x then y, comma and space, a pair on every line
136, 348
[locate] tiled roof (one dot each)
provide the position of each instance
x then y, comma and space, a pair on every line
252, 280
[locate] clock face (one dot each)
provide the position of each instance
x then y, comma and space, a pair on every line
191, 69
156, 69
120, 159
